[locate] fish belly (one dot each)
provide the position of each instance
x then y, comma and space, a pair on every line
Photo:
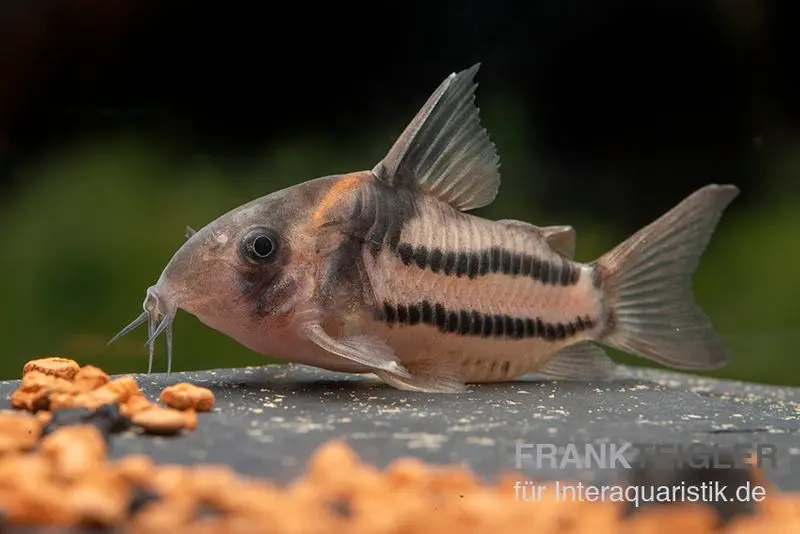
475, 360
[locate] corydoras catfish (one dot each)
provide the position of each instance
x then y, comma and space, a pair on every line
383, 271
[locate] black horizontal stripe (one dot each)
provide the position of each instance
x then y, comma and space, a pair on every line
492, 260
473, 323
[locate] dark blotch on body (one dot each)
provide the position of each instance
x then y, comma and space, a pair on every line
427, 313
406, 253
486, 263
414, 314
449, 263
473, 323
380, 216
437, 259
493, 260
462, 263
402, 314
421, 257
257, 286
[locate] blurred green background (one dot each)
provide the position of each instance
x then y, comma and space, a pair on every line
122, 122
95, 224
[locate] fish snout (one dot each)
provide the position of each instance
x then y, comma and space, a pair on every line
156, 303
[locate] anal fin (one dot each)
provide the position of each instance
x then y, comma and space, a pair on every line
424, 382
582, 361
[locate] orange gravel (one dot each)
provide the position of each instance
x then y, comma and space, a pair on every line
53, 383
66, 479
185, 396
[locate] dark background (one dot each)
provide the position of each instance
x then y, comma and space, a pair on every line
123, 121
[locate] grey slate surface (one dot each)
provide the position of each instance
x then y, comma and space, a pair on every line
268, 420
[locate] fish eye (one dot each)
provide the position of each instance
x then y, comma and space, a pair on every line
259, 246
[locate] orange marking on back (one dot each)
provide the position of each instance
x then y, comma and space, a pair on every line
346, 183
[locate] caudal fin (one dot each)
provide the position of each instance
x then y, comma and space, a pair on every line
647, 286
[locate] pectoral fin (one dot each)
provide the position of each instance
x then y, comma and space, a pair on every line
445, 152
190, 232
560, 238
365, 350
582, 361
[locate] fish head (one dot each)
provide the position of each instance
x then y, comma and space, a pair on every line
235, 262
242, 274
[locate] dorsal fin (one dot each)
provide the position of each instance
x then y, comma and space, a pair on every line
444, 151
560, 238
190, 232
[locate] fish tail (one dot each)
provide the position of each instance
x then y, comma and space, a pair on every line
646, 286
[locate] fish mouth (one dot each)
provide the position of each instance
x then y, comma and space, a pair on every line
159, 313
